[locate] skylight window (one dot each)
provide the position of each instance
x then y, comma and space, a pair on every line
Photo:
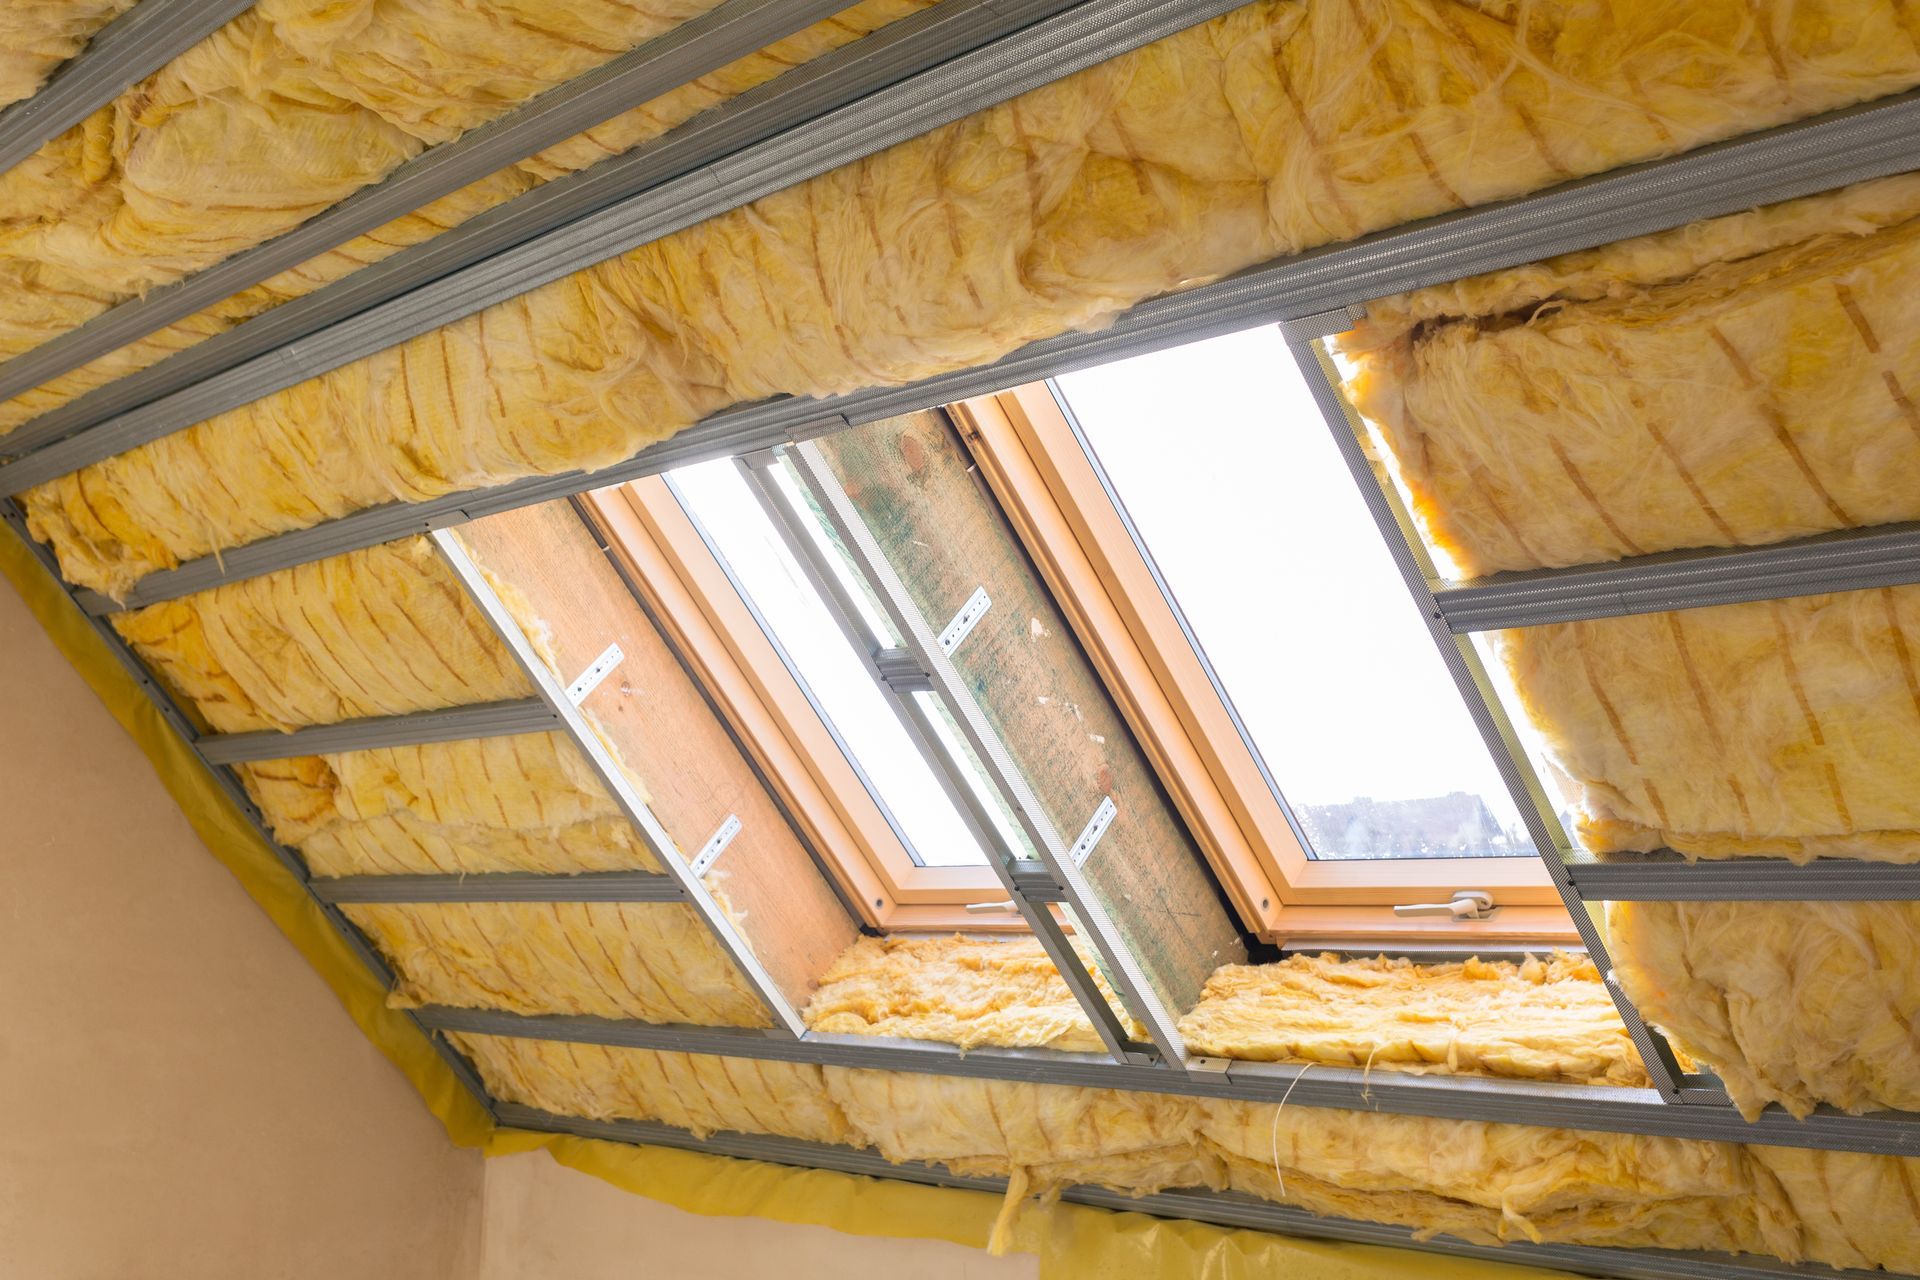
1262, 542
820, 652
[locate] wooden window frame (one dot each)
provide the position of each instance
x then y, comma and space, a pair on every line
1054, 499
665, 556
1032, 460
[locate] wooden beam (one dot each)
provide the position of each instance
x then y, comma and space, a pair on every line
656, 720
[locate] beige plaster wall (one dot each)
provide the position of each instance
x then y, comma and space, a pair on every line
544, 1219
184, 1098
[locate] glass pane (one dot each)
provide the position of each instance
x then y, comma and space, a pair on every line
821, 658
986, 797
1561, 791
1236, 488
911, 482
834, 555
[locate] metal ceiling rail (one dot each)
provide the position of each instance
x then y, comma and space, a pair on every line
892, 671
613, 777
1601, 1108
1814, 155
1226, 1209
1029, 885
1470, 680
130, 48
1853, 560
1668, 877
1091, 32
694, 48
229, 787
827, 83
820, 483
483, 720
1034, 882
502, 886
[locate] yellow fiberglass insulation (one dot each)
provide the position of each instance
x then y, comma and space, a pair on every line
286, 110
1797, 1003
1498, 1182
608, 138
962, 991
36, 36
529, 802
384, 631
1548, 1019
1538, 1020
391, 630
1741, 380
1045, 1137
690, 1091
655, 962
1484, 1182
1275, 127
1788, 728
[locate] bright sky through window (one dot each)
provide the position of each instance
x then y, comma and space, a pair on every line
1235, 487
818, 653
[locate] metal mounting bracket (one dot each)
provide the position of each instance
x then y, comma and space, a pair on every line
901, 671
971, 612
589, 680
716, 845
1090, 834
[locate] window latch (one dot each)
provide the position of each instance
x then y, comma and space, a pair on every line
1004, 908
1467, 904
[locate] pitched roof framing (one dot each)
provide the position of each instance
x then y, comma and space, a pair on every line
741, 158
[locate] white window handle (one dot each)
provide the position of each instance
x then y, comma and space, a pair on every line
1006, 908
1468, 904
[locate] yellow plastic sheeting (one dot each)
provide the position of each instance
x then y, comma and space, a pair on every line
1078, 1243
288, 109
1073, 1242
699, 1093
1797, 1003
1539, 1019
1278, 126
383, 631
963, 991
1788, 727
606, 139
1742, 380
36, 36
652, 961
528, 802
